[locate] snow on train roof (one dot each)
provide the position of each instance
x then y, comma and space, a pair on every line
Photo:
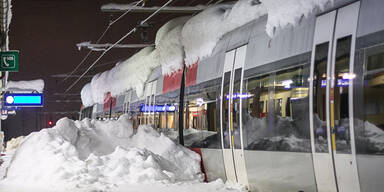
193, 39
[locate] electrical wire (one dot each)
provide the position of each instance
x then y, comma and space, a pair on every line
117, 42
99, 39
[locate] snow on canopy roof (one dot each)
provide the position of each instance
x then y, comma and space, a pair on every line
129, 74
202, 32
33, 85
194, 39
169, 46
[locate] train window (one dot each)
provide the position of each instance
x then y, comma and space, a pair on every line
225, 115
201, 120
341, 95
276, 129
236, 109
319, 93
373, 95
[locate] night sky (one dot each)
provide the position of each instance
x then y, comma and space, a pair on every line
46, 33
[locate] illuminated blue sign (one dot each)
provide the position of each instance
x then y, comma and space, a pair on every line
158, 108
23, 99
239, 95
340, 83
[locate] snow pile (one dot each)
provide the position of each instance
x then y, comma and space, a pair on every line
14, 143
1, 141
101, 155
129, 74
169, 47
33, 85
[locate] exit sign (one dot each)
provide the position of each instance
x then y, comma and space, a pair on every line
9, 61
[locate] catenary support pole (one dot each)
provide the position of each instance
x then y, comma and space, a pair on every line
181, 108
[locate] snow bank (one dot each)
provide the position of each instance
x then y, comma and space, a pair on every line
129, 74
102, 155
1, 141
14, 143
33, 85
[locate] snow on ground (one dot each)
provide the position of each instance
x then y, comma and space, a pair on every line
33, 85
1, 141
93, 155
14, 143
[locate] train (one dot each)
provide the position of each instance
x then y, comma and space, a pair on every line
303, 111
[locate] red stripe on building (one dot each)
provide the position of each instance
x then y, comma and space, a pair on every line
173, 81
190, 78
107, 101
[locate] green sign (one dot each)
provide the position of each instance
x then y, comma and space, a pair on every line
9, 61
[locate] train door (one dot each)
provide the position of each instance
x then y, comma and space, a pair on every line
231, 116
331, 109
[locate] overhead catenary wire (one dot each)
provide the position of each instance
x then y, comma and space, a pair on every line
99, 39
117, 42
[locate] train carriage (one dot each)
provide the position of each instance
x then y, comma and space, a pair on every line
302, 111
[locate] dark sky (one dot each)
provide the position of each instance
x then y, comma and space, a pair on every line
46, 33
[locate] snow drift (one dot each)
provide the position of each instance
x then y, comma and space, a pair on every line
79, 154
33, 85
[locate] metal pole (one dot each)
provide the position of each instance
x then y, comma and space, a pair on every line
5, 7
181, 109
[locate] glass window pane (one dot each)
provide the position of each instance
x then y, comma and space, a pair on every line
319, 95
225, 110
254, 114
341, 95
275, 112
201, 118
236, 109
372, 139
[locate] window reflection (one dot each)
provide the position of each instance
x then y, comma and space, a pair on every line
341, 95
275, 117
372, 138
319, 95
201, 129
